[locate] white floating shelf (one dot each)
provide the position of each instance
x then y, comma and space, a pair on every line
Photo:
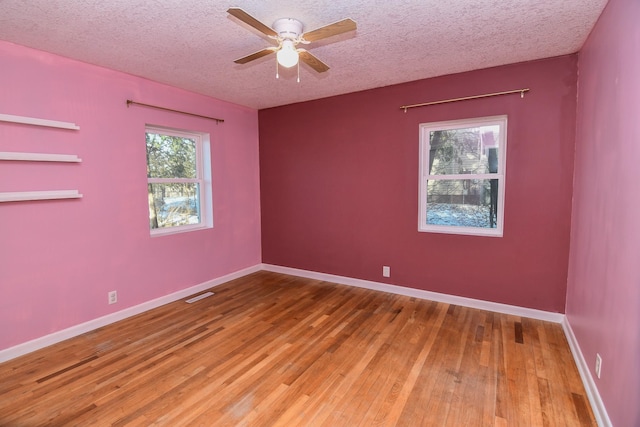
38, 122
39, 157
21, 196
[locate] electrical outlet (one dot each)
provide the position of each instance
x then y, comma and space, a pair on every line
386, 271
113, 297
598, 364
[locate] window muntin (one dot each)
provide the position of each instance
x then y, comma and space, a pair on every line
177, 180
462, 166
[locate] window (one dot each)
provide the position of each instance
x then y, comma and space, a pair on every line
178, 180
462, 170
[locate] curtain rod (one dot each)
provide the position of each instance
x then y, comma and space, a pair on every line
129, 102
486, 95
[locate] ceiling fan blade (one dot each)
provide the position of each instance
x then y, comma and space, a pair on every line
312, 61
250, 20
330, 30
255, 55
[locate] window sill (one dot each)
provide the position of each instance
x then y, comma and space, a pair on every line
158, 232
463, 231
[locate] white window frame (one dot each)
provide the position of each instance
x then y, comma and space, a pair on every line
203, 178
425, 130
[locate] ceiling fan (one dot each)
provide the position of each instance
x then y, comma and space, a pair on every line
288, 34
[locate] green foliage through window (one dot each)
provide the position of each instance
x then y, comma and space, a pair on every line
170, 156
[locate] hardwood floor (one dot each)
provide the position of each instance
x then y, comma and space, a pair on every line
276, 350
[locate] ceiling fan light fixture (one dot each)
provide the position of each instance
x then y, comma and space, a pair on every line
287, 55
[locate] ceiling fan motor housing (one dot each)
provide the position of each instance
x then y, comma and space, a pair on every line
288, 28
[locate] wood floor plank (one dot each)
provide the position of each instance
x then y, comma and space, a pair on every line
276, 350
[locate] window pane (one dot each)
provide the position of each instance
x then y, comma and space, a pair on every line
171, 205
170, 156
471, 150
462, 202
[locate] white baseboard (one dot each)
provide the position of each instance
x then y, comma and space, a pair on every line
419, 293
597, 405
47, 340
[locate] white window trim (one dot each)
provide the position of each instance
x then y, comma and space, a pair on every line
424, 177
203, 178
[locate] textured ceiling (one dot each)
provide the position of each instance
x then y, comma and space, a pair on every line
192, 44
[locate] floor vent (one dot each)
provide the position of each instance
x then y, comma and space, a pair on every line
199, 297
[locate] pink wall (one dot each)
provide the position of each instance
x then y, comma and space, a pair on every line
339, 186
58, 259
603, 298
